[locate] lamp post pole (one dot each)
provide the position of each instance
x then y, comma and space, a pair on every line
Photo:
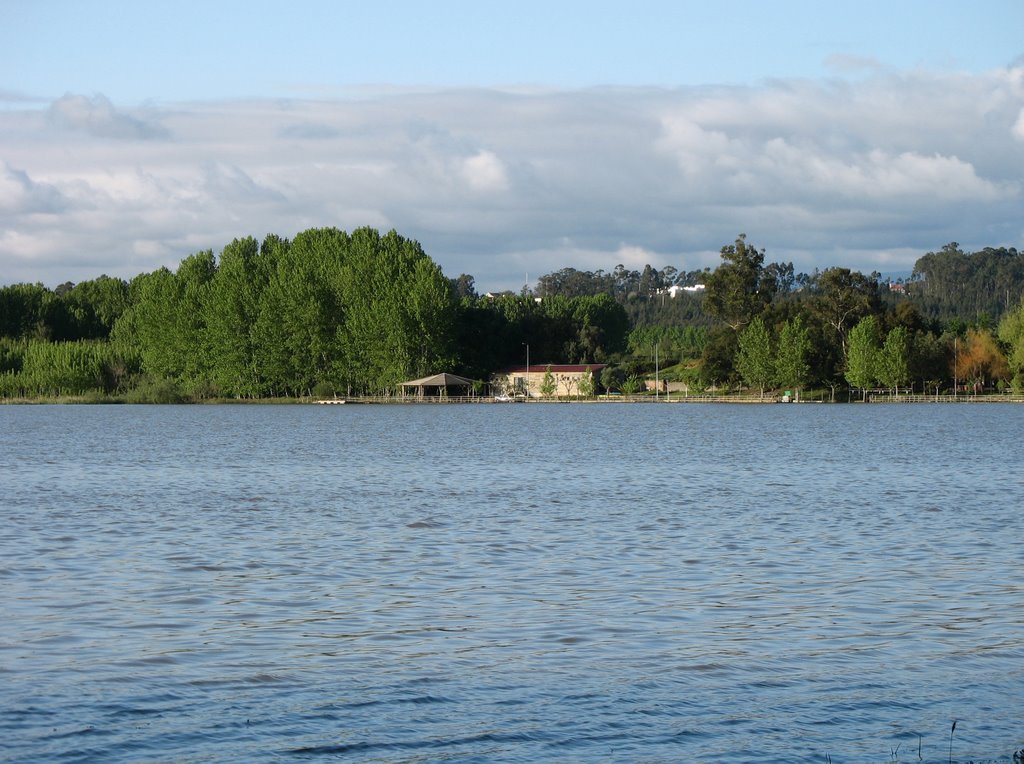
956, 361
657, 383
527, 372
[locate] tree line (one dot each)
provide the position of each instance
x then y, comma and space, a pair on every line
325, 313
843, 328
331, 312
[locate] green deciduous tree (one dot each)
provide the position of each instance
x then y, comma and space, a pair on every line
356, 312
1011, 332
94, 306
793, 357
587, 385
547, 384
611, 378
893, 362
755, 358
398, 311
231, 309
862, 354
601, 327
981, 361
158, 326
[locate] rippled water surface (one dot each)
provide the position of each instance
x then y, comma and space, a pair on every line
511, 583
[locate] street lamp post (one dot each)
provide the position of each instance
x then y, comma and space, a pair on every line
657, 383
956, 361
527, 371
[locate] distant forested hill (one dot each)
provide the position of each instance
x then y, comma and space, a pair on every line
952, 283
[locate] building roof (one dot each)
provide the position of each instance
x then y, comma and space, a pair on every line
556, 368
439, 380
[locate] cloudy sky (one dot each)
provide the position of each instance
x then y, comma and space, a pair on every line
510, 139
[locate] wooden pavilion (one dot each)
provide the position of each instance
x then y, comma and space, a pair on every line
438, 385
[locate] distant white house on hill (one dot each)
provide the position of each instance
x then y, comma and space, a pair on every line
674, 290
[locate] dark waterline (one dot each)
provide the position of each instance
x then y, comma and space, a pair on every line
513, 583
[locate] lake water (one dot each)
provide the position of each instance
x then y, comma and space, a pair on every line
516, 583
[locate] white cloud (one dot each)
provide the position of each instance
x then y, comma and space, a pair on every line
98, 117
498, 183
484, 172
23, 245
1018, 127
19, 194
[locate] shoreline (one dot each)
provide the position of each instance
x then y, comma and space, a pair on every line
93, 400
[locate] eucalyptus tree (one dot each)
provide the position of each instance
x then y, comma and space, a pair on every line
952, 282
843, 298
736, 290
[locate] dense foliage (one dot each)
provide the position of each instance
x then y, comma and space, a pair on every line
324, 313
360, 312
764, 326
982, 285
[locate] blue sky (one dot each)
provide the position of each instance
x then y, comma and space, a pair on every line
180, 51
509, 138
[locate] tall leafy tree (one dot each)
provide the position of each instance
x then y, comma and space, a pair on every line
301, 310
843, 298
192, 282
862, 354
893, 368
273, 331
94, 306
1011, 332
586, 384
547, 383
464, 286
755, 360
155, 328
32, 311
736, 291
929, 360
601, 327
231, 310
717, 360
981, 360
399, 311
793, 357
